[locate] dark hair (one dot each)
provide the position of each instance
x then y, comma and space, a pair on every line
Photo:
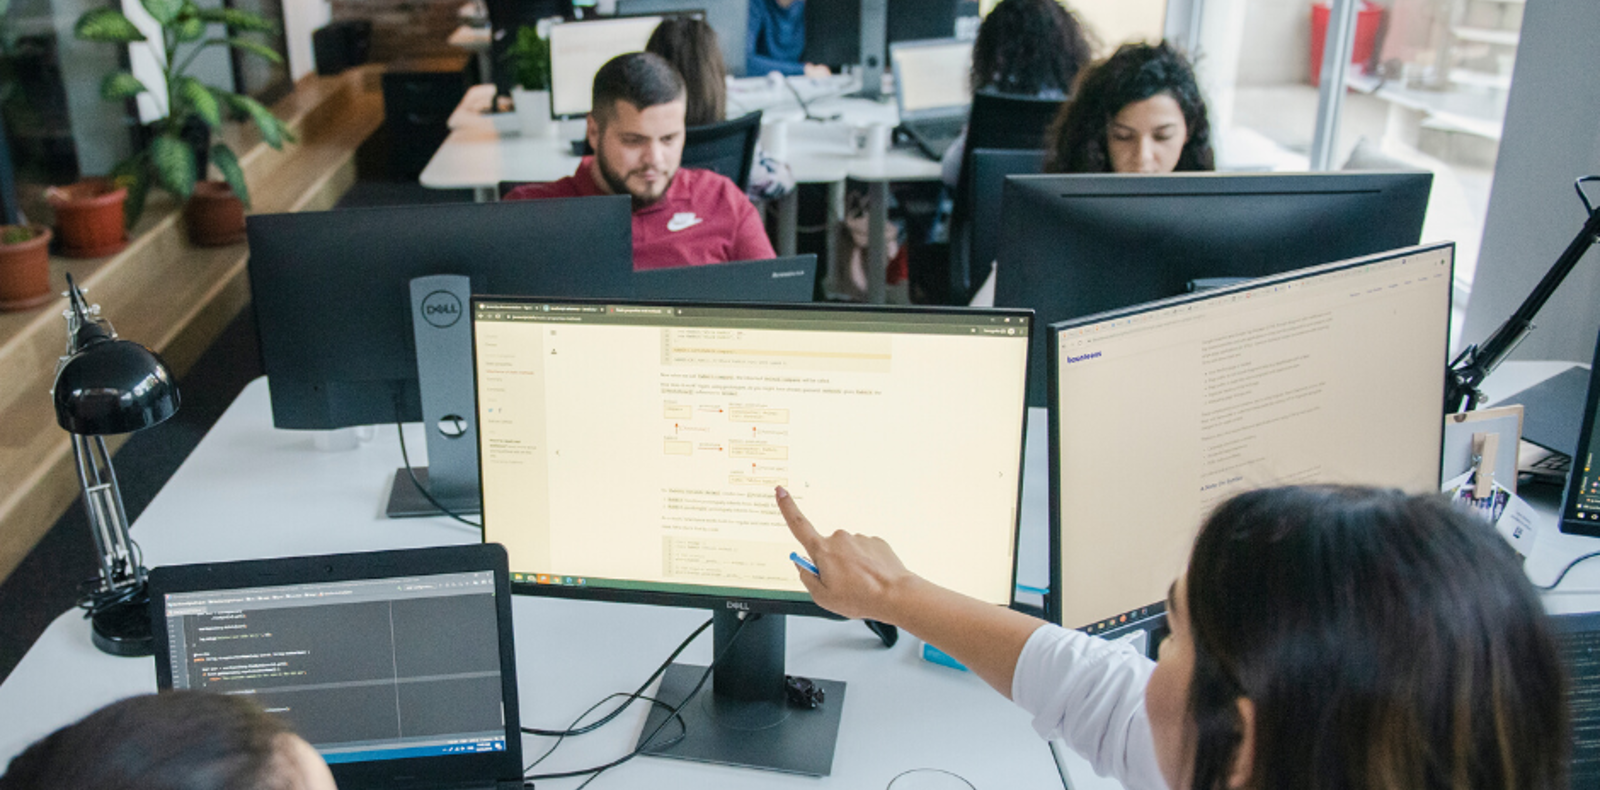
641, 79
1384, 640
1135, 72
175, 740
1027, 47
690, 45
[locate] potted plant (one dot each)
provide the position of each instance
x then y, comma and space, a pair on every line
529, 59
166, 160
24, 266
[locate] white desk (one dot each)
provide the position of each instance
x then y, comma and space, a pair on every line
249, 490
484, 150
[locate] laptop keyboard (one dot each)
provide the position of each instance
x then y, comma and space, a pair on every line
934, 137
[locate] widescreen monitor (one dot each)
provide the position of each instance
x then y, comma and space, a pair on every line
1074, 245
1331, 374
630, 451
579, 49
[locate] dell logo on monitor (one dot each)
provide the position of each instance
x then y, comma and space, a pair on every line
740, 605
441, 309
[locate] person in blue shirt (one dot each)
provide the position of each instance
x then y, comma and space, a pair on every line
777, 39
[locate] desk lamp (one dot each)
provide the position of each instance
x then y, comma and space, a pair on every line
106, 385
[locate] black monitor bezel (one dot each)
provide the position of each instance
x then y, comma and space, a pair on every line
1570, 524
433, 771
1053, 603
750, 604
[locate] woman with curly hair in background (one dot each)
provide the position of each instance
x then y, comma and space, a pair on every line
1138, 111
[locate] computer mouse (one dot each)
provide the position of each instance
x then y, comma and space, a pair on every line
888, 633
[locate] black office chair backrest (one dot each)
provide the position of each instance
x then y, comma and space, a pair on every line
996, 122
726, 148
989, 170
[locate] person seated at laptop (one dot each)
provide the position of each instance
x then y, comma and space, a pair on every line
776, 40
1032, 48
681, 216
691, 46
1138, 111
175, 740
1322, 637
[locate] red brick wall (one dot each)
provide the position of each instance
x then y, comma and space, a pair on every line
404, 28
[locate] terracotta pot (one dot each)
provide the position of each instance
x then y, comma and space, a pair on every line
215, 215
89, 217
25, 271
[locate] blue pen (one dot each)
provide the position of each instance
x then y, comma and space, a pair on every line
804, 563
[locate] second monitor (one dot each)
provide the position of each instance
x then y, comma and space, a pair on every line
1073, 245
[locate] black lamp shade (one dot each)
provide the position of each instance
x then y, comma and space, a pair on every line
114, 386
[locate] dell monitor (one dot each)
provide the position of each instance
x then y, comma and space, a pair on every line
630, 450
579, 49
1073, 245
1580, 509
360, 312
1160, 412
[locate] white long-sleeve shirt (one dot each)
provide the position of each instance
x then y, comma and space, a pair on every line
1090, 693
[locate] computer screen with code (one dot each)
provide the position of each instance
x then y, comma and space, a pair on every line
635, 447
1333, 374
370, 669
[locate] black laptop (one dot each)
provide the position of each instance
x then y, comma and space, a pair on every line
398, 666
788, 280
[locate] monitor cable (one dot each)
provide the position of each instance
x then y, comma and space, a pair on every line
639, 694
399, 428
672, 715
805, 106
1563, 574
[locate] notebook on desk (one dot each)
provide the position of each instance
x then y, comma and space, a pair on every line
398, 666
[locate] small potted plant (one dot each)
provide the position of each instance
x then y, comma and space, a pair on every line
529, 59
90, 217
24, 266
166, 160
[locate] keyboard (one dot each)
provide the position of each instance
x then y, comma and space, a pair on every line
1542, 465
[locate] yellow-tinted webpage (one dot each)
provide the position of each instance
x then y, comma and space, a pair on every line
934, 76
645, 454
578, 50
1336, 378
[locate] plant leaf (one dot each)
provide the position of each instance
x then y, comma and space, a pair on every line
174, 165
222, 156
189, 27
199, 98
131, 173
119, 85
106, 24
242, 21
257, 48
164, 11
272, 130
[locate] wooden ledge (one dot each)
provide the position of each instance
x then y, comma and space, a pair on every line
163, 292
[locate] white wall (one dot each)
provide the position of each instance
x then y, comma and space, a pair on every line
1276, 45
300, 19
1551, 137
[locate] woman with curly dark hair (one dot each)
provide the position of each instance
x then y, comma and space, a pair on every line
1138, 111
1029, 48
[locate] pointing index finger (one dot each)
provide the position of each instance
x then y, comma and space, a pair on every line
802, 529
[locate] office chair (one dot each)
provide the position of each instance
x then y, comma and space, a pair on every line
726, 148
997, 122
981, 233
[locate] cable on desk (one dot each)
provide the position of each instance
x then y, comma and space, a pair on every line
1563, 574
639, 694
897, 776
400, 429
672, 715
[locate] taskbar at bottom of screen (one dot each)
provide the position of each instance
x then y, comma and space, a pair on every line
368, 754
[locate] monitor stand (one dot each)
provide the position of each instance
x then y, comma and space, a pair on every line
874, 47
742, 717
443, 334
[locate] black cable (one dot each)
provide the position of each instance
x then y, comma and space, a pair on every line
672, 715
608, 698
1563, 574
399, 428
639, 694
897, 776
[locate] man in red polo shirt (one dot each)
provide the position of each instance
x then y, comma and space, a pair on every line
681, 217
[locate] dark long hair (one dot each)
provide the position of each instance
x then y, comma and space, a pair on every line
1385, 641
175, 740
1135, 72
1027, 47
690, 45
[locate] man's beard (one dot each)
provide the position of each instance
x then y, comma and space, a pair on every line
619, 185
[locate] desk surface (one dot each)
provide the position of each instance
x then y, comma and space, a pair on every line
249, 490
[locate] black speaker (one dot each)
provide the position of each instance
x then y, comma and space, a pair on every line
341, 45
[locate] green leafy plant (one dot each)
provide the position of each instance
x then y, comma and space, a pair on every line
167, 161
529, 59
15, 234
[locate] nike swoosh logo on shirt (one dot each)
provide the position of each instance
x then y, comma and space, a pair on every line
682, 222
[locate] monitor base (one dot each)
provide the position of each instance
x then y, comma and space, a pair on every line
765, 734
405, 501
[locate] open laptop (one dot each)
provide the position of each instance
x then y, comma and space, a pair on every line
781, 280
1580, 509
398, 666
931, 88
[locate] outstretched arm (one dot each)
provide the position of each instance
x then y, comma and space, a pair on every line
860, 577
